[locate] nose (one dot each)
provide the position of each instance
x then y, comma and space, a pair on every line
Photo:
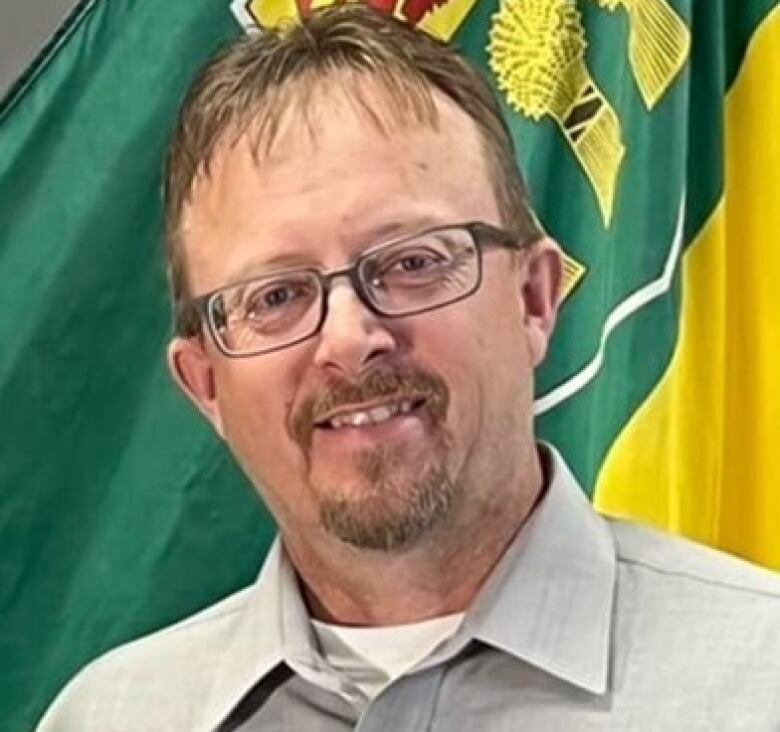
351, 336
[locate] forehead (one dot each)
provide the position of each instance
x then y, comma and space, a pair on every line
331, 183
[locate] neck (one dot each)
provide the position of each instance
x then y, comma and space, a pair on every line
440, 575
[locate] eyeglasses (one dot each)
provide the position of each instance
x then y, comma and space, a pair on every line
404, 277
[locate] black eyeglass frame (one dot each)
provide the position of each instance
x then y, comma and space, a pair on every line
483, 235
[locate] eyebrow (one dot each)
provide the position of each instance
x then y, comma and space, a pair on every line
297, 259
258, 267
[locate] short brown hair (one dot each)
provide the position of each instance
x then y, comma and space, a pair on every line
252, 82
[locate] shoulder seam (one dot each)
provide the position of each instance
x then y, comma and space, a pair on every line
175, 629
207, 617
775, 595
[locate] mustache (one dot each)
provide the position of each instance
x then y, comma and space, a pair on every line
408, 383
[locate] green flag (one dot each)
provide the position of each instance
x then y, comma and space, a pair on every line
121, 512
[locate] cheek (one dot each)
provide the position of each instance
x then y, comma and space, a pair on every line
485, 359
254, 401
457, 350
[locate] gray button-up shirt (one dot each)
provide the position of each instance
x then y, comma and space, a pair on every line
585, 624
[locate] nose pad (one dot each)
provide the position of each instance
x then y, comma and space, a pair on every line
351, 335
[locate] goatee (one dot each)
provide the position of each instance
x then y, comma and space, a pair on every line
388, 516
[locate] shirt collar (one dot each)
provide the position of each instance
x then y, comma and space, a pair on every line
548, 602
272, 627
256, 643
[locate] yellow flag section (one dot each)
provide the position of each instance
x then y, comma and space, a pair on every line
701, 457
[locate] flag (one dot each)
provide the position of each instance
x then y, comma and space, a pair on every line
119, 512
646, 130
697, 456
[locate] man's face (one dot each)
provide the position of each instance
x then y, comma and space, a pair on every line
377, 431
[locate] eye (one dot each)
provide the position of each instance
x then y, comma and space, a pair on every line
277, 296
413, 262
417, 261
422, 264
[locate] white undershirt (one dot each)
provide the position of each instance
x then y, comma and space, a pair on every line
372, 657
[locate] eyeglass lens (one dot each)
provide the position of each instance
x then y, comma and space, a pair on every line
421, 273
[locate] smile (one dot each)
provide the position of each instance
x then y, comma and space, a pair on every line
365, 416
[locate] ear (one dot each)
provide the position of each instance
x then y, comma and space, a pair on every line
541, 273
192, 370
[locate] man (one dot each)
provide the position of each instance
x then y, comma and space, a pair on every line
362, 294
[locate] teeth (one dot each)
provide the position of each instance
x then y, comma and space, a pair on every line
359, 419
371, 416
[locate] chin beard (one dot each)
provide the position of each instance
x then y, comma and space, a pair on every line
392, 511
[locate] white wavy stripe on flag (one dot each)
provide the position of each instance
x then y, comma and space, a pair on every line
240, 10
620, 314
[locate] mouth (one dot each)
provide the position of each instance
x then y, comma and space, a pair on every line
368, 415
386, 407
